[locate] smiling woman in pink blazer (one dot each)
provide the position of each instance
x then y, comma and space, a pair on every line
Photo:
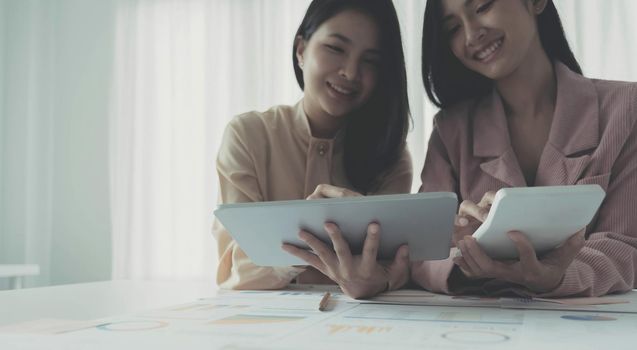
516, 111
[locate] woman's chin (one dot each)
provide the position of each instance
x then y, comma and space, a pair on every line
337, 111
496, 71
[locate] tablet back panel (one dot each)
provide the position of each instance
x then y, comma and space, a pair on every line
547, 215
423, 220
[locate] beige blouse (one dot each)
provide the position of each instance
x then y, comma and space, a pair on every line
272, 156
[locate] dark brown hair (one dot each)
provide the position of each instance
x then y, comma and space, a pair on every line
447, 81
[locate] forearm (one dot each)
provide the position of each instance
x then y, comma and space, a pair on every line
433, 275
236, 271
606, 264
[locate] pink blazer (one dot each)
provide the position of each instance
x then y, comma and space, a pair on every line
593, 140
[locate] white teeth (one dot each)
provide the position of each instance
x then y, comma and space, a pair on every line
489, 50
342, 90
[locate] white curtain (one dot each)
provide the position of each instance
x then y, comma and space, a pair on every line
603, 35
111, 113
183, 69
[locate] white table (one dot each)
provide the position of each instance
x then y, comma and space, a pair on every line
88, 301
352, 327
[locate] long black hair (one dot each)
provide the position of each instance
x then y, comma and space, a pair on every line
447, 81
375, 133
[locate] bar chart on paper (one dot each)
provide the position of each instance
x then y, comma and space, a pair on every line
438, 314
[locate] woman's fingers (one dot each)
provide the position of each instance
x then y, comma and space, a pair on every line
370, 248
461, 221
468, 258
325, 253
488, 266
527, 270
329, 191
341, 247
399, 269
487, 200
460, 232
477, 211
565, 253
464, 267
470, 209
306, 256
527, 256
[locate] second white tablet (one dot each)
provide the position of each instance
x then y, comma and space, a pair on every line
547, 215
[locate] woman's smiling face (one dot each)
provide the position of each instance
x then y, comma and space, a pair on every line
491, 37
340, 64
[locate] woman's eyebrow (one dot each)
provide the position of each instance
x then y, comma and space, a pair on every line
467, 3
347, 40
341, 37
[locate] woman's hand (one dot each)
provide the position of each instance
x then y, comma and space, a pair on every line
538, 275
329, 191
471, 216
311, 275
359, 276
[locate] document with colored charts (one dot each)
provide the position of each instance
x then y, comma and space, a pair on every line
290, 320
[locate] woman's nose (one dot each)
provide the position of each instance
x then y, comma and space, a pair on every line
350, 69
474, 34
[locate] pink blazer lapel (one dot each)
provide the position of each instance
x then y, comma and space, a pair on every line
574, 131
491, 141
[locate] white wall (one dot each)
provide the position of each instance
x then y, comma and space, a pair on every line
57, 58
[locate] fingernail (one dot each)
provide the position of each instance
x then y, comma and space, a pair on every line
373, 228
463, 221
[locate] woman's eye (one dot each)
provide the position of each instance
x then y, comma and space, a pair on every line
485, 7
334, 48
372, 61
453, 30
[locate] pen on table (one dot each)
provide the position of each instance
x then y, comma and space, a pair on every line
324, 301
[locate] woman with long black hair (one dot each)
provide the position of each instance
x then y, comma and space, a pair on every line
349, 130
516, 111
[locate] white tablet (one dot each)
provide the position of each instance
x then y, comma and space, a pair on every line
547, 215
424, 221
